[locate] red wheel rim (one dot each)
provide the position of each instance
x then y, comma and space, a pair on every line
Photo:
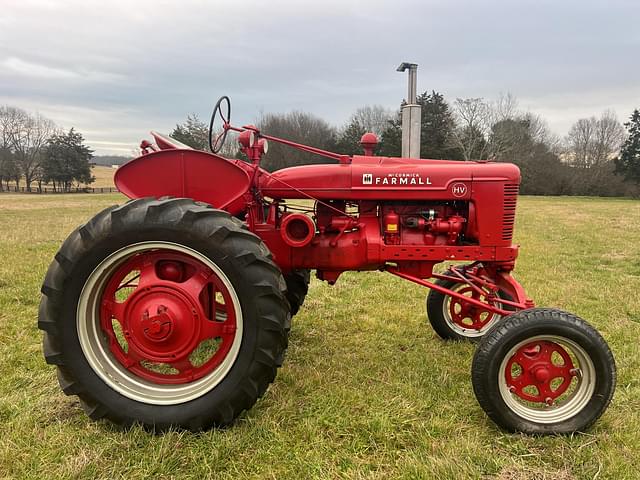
467, 316
164, 314
545, 365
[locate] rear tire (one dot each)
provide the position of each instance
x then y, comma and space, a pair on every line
151, 376
297, 288
543, 371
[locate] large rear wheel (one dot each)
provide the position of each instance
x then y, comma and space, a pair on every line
166, 313
297, 288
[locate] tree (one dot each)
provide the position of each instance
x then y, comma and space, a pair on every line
437, 126
9, 169
193, 132
391, 139
300, 127
473, 119
592, 142
28, 138
66, 160
628, 162
349, 139
510, 139
591, 145
524, 140
372, 118
7, 164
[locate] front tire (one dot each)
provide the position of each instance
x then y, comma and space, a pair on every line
543, 371
166, 313
453, 319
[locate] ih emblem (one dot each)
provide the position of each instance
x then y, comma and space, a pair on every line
367, 178
459, 189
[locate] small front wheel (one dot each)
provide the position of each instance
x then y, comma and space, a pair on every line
543, 371
454, 319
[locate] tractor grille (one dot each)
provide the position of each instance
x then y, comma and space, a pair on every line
509, 209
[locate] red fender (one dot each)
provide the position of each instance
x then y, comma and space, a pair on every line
186, 173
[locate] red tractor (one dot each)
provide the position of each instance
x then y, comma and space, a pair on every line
173, 310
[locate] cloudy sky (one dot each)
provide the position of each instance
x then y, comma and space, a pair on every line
116, 69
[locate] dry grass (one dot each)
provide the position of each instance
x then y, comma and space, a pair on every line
367, 390
104, 176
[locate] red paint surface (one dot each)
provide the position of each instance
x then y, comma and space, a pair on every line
444, 210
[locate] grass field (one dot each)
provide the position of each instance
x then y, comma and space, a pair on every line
367, 390
103, 175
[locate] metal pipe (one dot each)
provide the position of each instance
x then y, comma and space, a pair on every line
463, 298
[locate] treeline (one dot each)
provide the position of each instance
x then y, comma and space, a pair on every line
109, 160
34, 150
597, 157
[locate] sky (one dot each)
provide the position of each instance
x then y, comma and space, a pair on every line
116, 69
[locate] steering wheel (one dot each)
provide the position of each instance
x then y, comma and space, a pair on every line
216, 145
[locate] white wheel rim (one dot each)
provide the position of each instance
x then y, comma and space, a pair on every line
568, 407
465, 332
99, 356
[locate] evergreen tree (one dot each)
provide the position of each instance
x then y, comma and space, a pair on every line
391, 140
628, 163
349, 139
66, 159
193, 132
437, 124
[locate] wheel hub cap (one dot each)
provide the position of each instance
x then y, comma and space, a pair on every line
467, 316
546, 366
176, 304
162, 323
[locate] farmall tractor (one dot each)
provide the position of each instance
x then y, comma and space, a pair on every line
173, 310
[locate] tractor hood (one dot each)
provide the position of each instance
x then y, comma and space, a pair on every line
385, 178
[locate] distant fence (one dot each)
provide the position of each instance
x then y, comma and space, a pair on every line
14, 189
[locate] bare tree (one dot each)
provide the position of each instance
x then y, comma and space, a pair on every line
593, 142
5, 150
505, 107
299, 127
29, 135
473, 120
372, 118
9, 169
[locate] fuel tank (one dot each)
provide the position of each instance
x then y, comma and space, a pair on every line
385, 178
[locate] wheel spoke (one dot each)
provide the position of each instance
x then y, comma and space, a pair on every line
185, 367
148, 275
469, 317
132, 358
196, 283
545, 392
521, 381
215, 329
117, 310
